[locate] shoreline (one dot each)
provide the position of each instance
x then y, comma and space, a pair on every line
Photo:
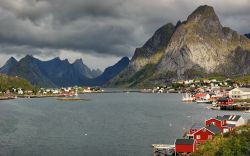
7, 98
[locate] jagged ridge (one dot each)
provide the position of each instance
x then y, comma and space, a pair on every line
56, 72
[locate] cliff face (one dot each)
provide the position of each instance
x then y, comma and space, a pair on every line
198, 46
201, 43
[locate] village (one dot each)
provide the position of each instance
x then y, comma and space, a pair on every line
220, 94
199, 133
14, 93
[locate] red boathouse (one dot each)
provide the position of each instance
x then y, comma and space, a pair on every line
225, 101
185, 145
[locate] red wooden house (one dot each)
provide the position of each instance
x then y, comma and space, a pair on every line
206, 133
225, 101
185, 145
218, 121
221, 123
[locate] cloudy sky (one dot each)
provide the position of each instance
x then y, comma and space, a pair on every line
98, 31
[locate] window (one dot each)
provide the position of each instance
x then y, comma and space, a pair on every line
210, 137
198, 137
213, 123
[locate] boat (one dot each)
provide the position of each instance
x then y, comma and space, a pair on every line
202, 101
215, 108
188, 98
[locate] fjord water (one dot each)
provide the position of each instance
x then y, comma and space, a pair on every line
110, 124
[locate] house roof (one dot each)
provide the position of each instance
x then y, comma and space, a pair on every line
223, 99
214, 129
232, 117
221, 118
184, 141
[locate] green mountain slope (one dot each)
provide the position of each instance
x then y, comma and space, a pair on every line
9, 82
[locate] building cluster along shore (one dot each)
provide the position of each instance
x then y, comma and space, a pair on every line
220, 94
14, 93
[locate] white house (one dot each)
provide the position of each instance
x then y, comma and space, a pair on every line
20, 91
55, 91
237, 120
240, 93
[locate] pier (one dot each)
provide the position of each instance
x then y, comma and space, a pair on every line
163, 149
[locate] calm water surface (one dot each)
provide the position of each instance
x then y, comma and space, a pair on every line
111, 124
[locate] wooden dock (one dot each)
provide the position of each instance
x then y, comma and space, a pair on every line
163, 149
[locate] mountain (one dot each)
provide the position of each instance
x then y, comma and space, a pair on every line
10, 63
28, 68
57, 73
247, 35
194, 48
111, 72
95, 73
84, 70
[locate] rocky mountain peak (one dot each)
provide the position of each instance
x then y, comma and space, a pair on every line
158, 41
9, 64
11, 60
29, 58
203, 12
206, 18
78, 61
56, 58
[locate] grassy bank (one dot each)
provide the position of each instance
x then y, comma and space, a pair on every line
242, 100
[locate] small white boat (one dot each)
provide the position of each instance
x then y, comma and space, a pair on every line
202, 101
215, 108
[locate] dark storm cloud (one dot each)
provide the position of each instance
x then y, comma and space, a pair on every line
107, 27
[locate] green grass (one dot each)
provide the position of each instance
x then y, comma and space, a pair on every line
9, 82
242, 100
242, 79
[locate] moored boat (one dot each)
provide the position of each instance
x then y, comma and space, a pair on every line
203, 101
